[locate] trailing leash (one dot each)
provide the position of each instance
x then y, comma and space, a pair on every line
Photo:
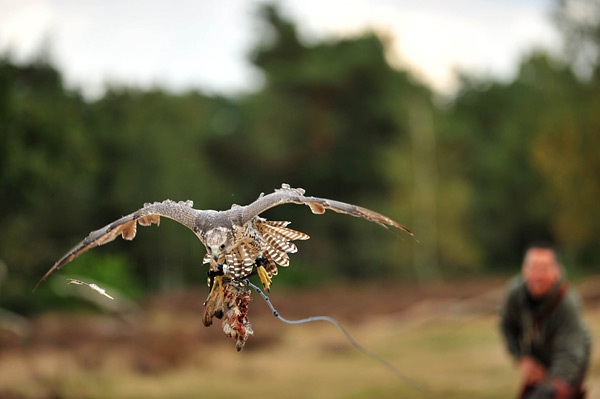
331, 320
358, 346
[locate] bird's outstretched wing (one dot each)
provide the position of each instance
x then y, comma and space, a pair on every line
288, 195
181, 212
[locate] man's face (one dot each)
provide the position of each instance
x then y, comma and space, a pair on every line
540, 271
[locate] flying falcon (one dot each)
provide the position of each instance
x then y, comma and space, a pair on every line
238, 241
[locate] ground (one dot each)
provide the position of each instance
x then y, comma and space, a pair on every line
442, 335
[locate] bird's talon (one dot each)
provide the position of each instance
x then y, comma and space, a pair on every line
264, 278
218, 280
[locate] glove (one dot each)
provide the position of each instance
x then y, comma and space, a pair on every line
543, 391
562, 388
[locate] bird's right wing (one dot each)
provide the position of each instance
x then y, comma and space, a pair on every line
288, 195
181, 212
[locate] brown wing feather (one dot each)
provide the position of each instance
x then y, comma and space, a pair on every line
126, 227
287, 195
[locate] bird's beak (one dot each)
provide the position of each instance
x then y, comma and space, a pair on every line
216, 256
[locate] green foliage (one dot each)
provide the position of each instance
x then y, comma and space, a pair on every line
533, 160
108, 270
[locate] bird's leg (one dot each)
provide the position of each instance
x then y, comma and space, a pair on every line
212, 274
217, 280
263, 274
214, 302
264, 277
216, 277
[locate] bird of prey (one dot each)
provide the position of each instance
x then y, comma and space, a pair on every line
238, 241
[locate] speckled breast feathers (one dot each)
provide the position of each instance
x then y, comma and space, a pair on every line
260, 241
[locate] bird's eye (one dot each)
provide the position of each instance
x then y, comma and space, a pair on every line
209, 250
222, 246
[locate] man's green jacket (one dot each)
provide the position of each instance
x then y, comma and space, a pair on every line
560, 341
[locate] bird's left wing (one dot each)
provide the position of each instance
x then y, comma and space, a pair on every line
181, 212
288, 195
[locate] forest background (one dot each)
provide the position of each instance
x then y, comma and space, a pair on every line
477, 176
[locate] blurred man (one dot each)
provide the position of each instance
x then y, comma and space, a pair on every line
543, 330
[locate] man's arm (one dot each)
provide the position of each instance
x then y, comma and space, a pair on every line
532, 371
570, 344
570, 351
510, 322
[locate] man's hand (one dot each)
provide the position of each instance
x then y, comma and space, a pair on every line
531, 370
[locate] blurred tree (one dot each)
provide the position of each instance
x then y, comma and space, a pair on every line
153, 144
323, 121
46, 168
528, 149
489, 136
565, 152
579, 22
569, 132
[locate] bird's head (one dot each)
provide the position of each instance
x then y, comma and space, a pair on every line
219, 242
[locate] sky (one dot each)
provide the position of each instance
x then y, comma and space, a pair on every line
202, 44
